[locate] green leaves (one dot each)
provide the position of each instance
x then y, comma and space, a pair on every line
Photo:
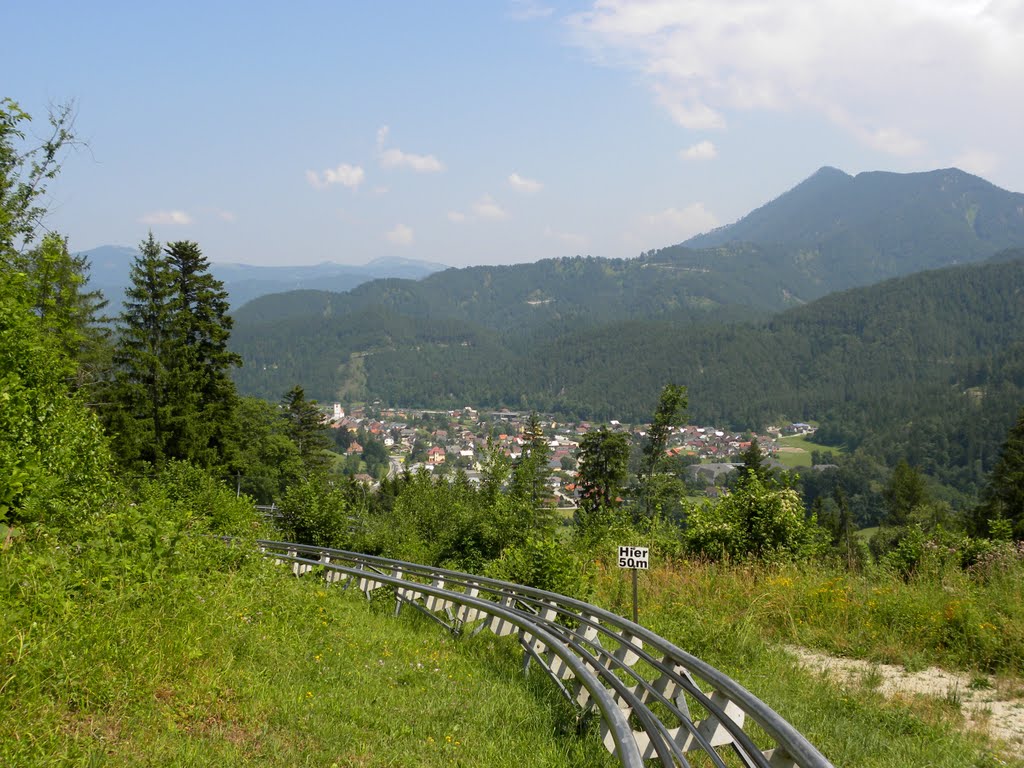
54, 461
603, 464
24, 172
755, 520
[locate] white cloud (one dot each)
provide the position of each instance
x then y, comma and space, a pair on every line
528, 10
166, 217
350, 176
900, 76
702, 150
220, 213
456, 216
487, 208
686, 109
570, 239
400, 235
892, 141
976, 161
523, 184
675, 224
396, 158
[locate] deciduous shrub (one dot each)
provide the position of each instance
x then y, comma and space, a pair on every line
755, 520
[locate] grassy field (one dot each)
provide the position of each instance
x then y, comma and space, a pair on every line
796, 451
232, 661
255, 667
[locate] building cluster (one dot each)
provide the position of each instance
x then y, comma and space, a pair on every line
445, 441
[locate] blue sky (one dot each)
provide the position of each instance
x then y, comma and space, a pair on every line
497, 132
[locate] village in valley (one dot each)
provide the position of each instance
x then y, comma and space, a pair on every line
375, 441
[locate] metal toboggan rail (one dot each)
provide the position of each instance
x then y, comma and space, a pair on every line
655, 701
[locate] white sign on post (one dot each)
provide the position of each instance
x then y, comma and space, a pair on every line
634, 557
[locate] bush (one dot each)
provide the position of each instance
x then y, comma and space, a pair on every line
54, 458
318, 512
755, 520
544, 563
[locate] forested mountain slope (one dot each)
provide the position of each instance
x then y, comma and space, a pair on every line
930, 365
855, 230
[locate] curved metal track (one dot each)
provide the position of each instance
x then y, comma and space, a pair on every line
656, 702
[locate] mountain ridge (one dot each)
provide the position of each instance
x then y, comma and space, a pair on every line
110, 267
831, 201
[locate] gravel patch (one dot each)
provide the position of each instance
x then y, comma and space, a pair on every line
997, 710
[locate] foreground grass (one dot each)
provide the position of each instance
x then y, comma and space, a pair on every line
210, 655
737, 617
252, 667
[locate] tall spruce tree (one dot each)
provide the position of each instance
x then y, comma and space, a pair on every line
904, 493
173, 395
142, 359
753, 463
530, 474
672, 405
203, 394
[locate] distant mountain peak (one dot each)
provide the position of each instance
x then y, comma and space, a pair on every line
881, 211
828, 171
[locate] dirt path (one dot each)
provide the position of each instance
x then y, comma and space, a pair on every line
997, 709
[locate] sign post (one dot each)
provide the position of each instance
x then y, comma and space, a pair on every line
634, 558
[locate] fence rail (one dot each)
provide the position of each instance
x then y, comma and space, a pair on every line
656, 701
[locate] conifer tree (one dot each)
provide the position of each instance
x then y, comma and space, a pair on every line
204, 395
306, 428
142, 359
56, 284
603, 465
1004, 496
753, 463
174, 396
672, 404
531, 470
904, 493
